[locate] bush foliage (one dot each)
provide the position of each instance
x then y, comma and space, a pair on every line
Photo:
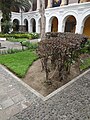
21, 35
58, 51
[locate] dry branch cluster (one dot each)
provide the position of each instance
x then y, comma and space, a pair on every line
58, 51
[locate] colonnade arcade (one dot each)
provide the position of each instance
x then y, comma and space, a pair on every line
55, 3
35, 4
69, 24
73, 18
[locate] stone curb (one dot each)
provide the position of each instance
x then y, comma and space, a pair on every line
38, 94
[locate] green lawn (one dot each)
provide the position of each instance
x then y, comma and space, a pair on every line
19, 62
85, 64
17, 39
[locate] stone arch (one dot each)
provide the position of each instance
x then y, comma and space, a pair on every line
65, 17
86, 25
16, 25
26, 25
53, 24
84, 17
70, 24
33, 25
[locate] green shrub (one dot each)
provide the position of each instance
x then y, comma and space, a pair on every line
21, 35
16, 40
30, 45
10, 51
86, 48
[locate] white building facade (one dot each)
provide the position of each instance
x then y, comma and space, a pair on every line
74, 17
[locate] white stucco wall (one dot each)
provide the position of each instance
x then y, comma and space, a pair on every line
80, 11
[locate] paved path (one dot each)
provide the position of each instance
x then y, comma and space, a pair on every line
14, 96
14, 45
10, 45
18, 101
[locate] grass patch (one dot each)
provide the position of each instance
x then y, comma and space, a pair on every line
11, 39
85, 64
19, 62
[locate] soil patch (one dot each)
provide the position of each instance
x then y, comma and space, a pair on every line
35, 78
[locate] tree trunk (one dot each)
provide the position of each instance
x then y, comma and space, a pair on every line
43, 22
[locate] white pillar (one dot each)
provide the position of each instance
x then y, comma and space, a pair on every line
79, 28
48, 26
0, 25
37, 27
49, 3
61, 25
64, 2
80, 24
38, 4
29, 26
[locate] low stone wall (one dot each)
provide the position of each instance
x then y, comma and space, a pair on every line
2, 39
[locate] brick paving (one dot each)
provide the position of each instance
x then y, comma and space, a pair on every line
14, 97
17, 102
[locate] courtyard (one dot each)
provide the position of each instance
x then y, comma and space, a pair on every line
45, 60
19, 100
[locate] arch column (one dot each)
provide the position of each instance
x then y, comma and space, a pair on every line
60, 24
29, 26
37, 26
79, 28
0, 24
48, 26
80, 25
38, 4
64, 2
49, 3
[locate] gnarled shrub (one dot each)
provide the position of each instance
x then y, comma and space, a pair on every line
58, 51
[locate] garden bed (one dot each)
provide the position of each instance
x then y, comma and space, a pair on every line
22, 64
35, 77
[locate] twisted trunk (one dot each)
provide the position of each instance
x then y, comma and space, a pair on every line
43, 23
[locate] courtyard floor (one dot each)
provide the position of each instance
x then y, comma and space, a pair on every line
10, 45
14, 45
18, 101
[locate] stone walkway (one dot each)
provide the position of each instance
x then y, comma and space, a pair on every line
10, 45
14, 95
14, 45
20, 102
